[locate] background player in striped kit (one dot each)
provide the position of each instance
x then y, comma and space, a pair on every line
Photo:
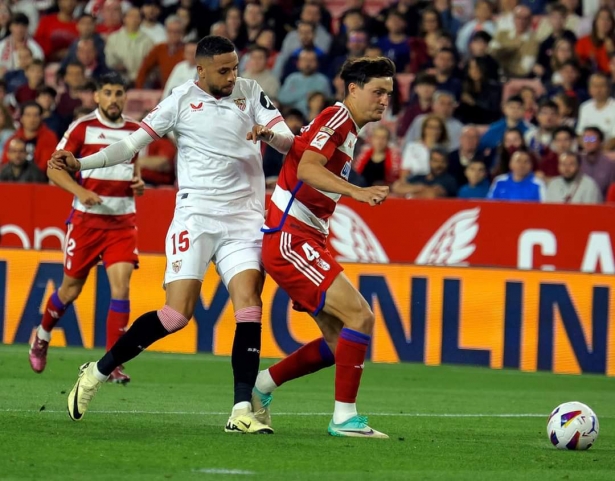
102, 224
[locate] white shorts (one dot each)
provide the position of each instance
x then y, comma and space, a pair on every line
232, 239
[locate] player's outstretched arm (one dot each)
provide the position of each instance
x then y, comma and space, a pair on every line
62, 179
279, 136
312, 171
113, 154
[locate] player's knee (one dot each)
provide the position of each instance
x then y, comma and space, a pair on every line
244, 299
120, 292
365, 321
69, 293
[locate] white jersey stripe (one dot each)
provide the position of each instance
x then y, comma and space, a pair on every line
110, 206
331, 195
285, 249
281, 198
285, 256
340, 121
333, 119
301, 260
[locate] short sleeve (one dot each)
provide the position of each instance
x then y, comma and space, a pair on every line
265, 112
73, 138
329, 130
162, 119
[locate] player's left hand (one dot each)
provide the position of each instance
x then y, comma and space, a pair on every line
260, 132
138, 186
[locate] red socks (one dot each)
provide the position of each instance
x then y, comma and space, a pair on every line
54, 310
349, 359
309, 358
117, 320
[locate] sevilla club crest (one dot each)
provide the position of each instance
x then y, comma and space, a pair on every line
176, 265
241, 104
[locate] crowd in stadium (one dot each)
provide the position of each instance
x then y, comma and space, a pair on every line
510, 100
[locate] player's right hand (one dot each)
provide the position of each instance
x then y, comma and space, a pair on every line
372, 195
64, 160
89, 198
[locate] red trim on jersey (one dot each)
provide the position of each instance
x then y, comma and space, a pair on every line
109, 188
275, 121
149, 130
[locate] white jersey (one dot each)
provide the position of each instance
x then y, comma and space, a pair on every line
215, 162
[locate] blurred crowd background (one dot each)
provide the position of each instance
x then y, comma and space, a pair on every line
508, 99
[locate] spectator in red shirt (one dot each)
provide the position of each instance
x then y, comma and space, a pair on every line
593, 50
35, 73
57, 31
40, 141
165, 56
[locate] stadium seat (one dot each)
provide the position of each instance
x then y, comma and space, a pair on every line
512, 87
141, 101
404, 81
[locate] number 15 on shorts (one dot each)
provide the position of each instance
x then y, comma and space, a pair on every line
181, 242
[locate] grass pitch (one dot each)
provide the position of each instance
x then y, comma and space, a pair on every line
452, 423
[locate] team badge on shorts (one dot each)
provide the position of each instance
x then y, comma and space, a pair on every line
241, 104
176, 265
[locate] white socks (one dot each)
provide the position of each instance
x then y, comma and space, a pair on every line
264, 382
242, 405
343, 412
43, 334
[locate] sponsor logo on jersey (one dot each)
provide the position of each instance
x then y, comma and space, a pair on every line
346, 170
319, 140
322, 264
241, 104
197, 107
327, 130
102, 136
176, 265
265, 102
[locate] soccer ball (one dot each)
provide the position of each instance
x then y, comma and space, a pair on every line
573, 425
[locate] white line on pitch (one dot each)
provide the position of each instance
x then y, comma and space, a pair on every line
225, 413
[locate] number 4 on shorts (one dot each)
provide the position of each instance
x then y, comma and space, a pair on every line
310, 253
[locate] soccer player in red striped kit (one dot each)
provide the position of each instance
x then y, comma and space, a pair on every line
102, 224
313, 178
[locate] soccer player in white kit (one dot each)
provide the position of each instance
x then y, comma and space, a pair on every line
218, 122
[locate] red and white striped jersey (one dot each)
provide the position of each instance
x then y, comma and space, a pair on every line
87, 136
333, 134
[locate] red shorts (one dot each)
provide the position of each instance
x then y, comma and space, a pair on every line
85, 247
302, 266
